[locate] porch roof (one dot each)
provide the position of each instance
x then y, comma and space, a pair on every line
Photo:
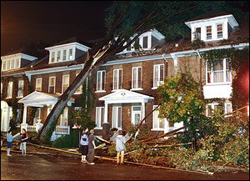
40, 99
125, 96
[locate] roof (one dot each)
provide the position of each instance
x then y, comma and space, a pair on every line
210, 14
72, 40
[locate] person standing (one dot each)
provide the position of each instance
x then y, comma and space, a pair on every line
9, 142
91, 147
24, 139
120, 141
84, 145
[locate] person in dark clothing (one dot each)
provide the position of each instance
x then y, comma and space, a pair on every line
91, 147
24, 139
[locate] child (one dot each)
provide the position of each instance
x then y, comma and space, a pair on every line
24, 139
84, 145
9, 142
91, 147
120, 141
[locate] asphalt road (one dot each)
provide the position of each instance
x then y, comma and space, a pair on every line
37, 167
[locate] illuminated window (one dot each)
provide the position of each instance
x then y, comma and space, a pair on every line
39, 84
136, 78
53, 57
65, 83
101, 80
209, 32
64, 55
158, 75
52, 84
99, 117
58, 56
20, 88
219, 31
10, 89
197, 33
117, 79
79, 90
70, 54
158, 123
117, 117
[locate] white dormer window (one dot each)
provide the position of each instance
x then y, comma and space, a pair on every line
65, 52
209, 32
212, 29
219, 31
146, 41
13, 61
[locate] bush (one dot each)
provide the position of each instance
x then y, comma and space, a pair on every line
67, 141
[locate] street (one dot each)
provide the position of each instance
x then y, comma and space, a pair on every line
40, 167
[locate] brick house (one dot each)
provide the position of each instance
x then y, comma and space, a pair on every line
125, 87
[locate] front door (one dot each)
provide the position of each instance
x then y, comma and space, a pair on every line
136, 115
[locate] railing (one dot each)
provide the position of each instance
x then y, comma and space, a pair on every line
31, 128
62, 130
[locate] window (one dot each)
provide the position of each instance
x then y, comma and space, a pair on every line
58, 56
99, 117
52, 85
65, 83
64, 55
37, 115
136, 115
220, 72
9, 89
39, 84
197, 33
70, 54
17, 63
8, 65
64, 117
4, 65
101, 80
145, 42
228, 108
158, 123
53, 57
20, 88
136, 78
158, 75
79, 90
117, 79
219, 31
12, 63
210, 108
117, 117
209, 32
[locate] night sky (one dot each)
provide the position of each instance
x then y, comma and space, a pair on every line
23, 22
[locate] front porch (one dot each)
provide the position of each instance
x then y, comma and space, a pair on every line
41, 100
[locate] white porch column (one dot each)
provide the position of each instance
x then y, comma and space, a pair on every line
24, 124
106, 113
